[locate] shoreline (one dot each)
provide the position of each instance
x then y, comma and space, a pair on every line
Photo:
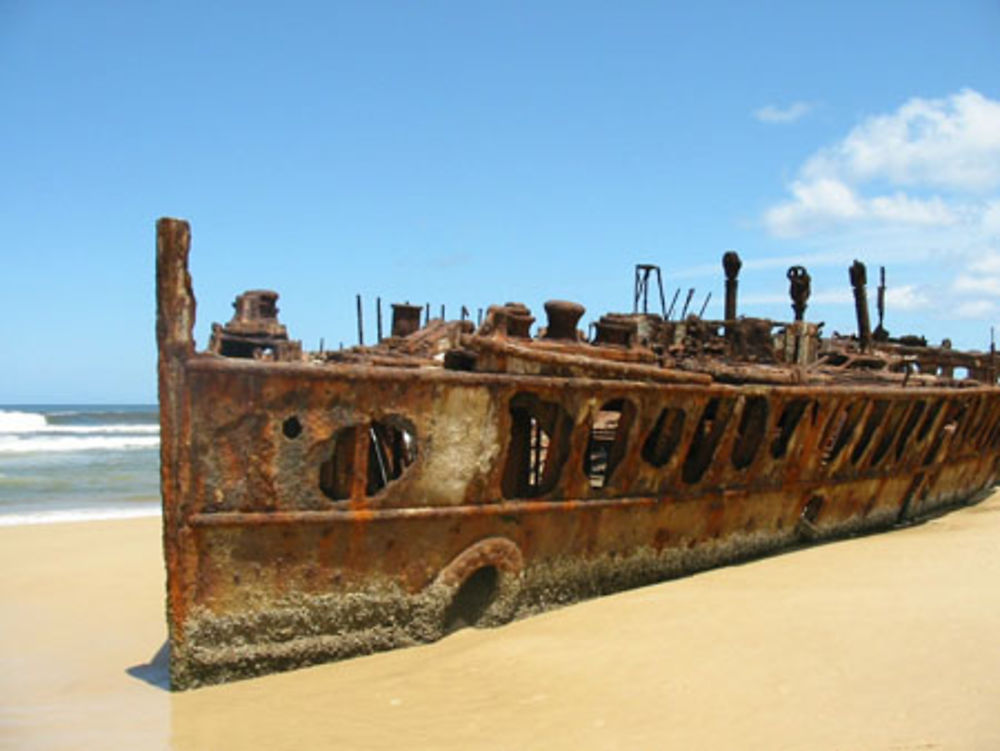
144, 509
879, 642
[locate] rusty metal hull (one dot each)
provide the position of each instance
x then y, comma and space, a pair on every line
273, 565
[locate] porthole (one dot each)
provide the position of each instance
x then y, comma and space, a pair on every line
292, 428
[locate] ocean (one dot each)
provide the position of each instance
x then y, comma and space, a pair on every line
78, 461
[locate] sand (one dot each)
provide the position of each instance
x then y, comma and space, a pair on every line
884, 642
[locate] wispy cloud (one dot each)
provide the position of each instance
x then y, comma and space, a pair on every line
987, 284
976, 309
987, 264
782, 115
907, 297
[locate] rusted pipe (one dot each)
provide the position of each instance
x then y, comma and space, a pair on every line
881, 334
859, 278
731, 264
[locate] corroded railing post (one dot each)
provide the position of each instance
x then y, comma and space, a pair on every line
175, 313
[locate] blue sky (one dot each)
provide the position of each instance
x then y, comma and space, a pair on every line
472, 153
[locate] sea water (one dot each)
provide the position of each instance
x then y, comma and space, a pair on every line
70, 462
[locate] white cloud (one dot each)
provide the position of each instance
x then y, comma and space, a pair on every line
951, 143
940, 159
916, 189
900, 207
918, 185
977, 288
827, 202
782, 115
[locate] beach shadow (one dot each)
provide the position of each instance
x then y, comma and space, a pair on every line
156, 672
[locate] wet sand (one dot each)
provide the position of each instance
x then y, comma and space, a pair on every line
884, 642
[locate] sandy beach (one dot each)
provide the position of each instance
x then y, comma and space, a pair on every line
883, 642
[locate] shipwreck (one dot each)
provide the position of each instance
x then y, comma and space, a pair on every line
320, 505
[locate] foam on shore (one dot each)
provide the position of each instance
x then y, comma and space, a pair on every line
60, 516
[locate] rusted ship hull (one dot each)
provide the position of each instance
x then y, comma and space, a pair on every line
280, 552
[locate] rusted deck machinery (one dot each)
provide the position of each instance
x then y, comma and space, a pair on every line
323, 505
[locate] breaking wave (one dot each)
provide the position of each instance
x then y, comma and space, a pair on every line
68, 431
18, 445
13, 421
21, 422
68, 462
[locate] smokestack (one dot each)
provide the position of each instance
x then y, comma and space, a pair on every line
731, 264
859, 278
